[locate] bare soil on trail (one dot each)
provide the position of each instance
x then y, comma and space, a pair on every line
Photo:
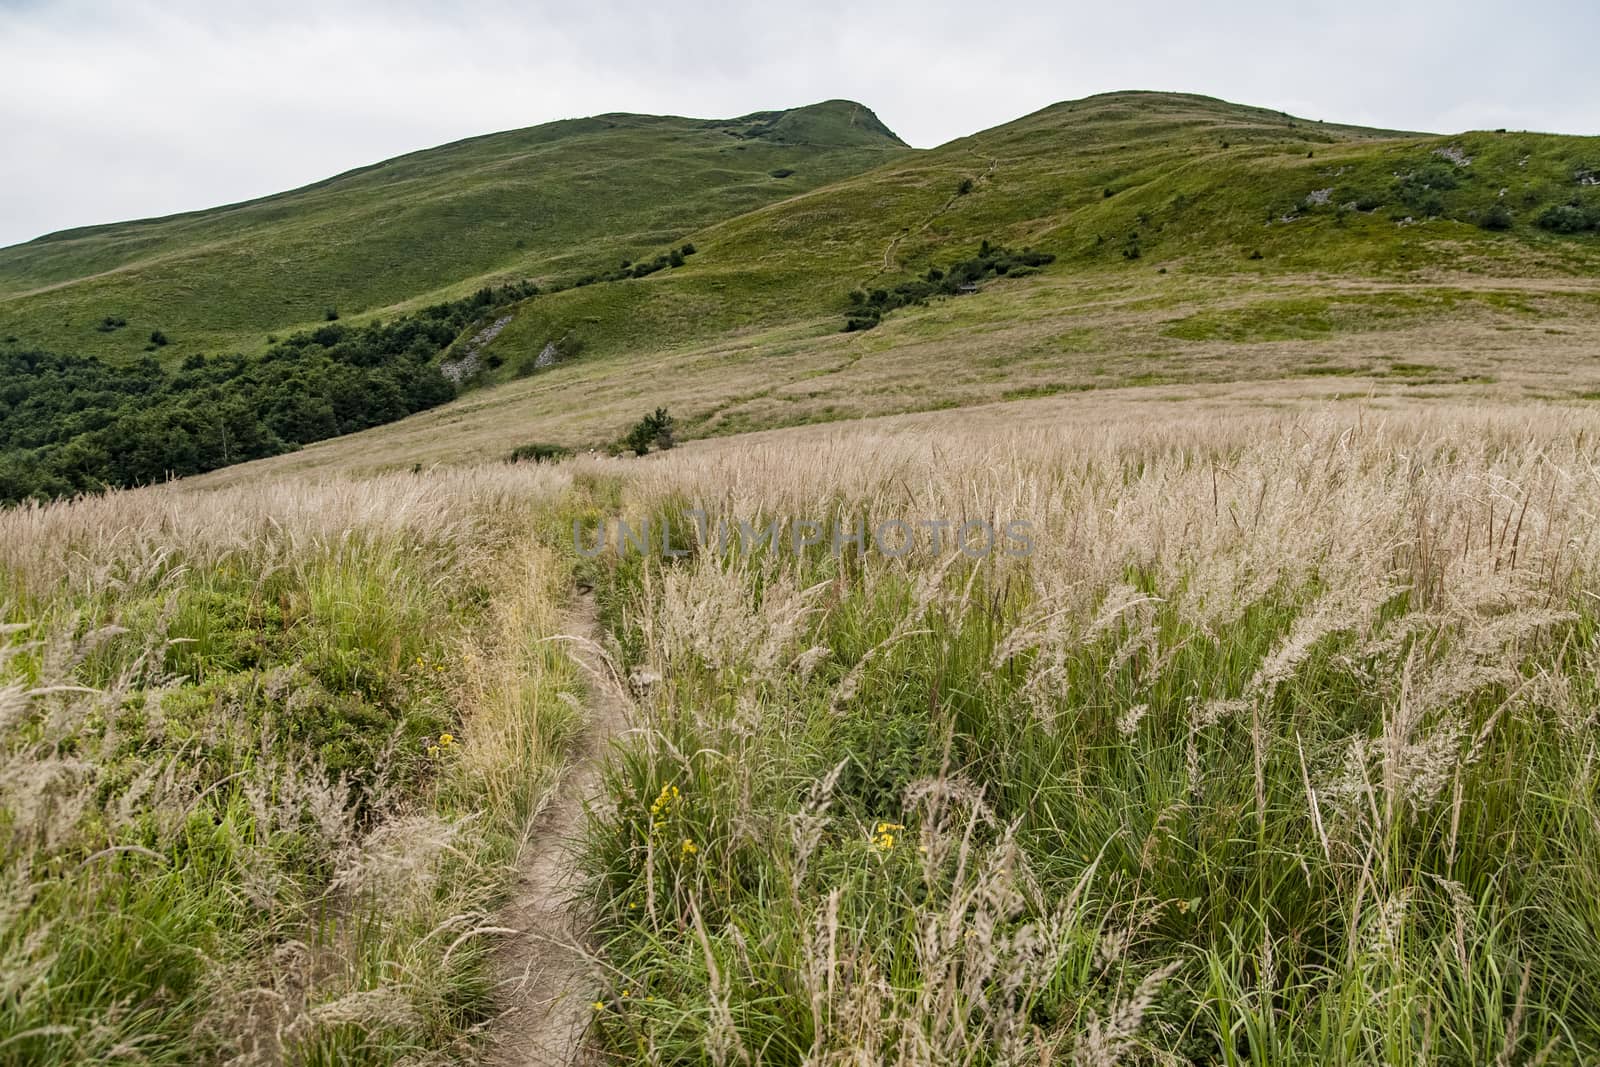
546, 965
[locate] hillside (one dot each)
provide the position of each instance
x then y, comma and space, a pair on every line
1125, 241
1330, 260
1117, 184
555, 199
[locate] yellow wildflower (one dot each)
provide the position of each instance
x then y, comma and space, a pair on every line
689, 847
446, 740
663, 803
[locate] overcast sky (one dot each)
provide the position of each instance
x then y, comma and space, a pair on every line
127, 109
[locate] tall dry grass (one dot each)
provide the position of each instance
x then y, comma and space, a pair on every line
266, 758
1280, 748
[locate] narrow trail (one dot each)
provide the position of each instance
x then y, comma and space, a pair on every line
891, 253
546, 965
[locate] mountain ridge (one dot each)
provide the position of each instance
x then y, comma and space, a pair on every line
92, 229
432, 224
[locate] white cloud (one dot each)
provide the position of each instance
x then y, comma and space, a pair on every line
120, 110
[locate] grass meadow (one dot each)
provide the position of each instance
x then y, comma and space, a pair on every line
266, 758
1280, 747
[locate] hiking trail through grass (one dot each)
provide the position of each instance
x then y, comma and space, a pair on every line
547, 965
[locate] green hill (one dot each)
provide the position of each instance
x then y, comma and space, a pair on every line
802, 266
1115, 184
434, 225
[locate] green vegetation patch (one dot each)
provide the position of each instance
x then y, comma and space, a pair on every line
1308, 318
867, 308
226, 747
73, 424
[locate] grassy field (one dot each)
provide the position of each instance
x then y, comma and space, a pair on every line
1274, 746
267, 757
1277, 749
1038, 347
1326, 259
1196, 243
1271, 742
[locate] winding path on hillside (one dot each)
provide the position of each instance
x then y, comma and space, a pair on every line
889, 252
547, 964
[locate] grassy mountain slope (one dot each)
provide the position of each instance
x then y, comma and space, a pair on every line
1118, 183
1377, 297
575, 195
1197, 244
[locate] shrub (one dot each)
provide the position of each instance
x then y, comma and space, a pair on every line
867, 309
781, 172
539, 452
661, 262
1565, 218
1419, 190
331, 315
688, 249
639, 438
661, 425
97, 423
965, 187
1497, 218
1429, 206
111, 322
655, 429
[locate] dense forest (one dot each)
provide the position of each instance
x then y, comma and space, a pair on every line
72, 424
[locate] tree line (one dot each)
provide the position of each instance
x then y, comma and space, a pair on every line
71, 424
